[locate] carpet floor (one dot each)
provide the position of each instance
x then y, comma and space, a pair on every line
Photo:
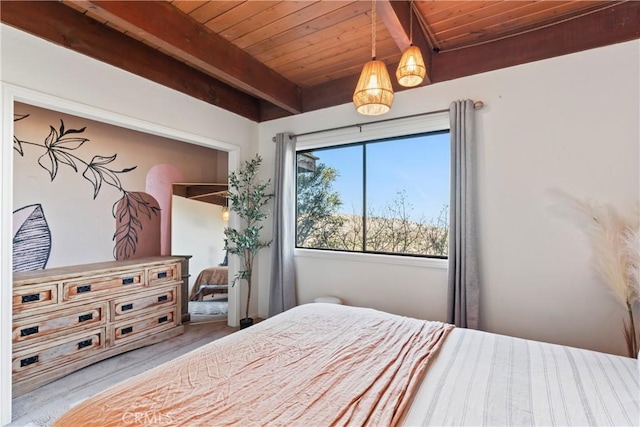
44, 405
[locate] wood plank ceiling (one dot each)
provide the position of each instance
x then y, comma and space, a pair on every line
215, 193
268, 59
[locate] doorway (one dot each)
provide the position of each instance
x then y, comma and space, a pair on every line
199, 217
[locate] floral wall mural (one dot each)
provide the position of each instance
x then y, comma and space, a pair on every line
59, 147
89, 179
31, 239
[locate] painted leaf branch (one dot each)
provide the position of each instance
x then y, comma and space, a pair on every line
126, 235
96, 173
59, 146
17, 144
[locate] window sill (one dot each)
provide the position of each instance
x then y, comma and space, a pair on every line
373, 258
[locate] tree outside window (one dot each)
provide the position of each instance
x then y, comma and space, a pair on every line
402, 182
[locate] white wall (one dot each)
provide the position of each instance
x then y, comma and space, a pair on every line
567, 123
197, 229
31, 64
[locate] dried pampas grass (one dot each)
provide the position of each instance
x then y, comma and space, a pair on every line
615, 250
633, 247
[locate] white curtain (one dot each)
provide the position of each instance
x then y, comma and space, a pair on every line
282, 295
464, 285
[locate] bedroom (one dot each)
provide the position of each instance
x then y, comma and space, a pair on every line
568, 122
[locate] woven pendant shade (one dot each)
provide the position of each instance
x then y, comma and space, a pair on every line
374, 94
411, 70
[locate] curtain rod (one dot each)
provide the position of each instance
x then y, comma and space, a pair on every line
477, 105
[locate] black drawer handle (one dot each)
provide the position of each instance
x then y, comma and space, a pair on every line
83, 288
85, 317
162, 319
127, 281
85, 343
126, 330
29, 331
162, 275
30, 298
163, 298
28, 361
126, 307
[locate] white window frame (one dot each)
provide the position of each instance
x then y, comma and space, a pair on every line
372, 131
369, 132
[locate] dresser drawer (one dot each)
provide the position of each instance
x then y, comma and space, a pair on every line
128, 330
97, 286
36, 359
30, 297
27, 331
129, 305
164, 274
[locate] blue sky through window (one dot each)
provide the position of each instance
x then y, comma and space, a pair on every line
419, 165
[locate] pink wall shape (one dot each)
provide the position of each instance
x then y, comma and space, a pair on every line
160, 179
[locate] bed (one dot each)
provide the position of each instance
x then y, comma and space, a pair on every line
326, 364
212, 280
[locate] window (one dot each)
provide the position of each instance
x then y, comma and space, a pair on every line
388, 196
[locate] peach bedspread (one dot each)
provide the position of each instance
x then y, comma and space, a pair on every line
314, 365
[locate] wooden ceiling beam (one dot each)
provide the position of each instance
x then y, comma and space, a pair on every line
268, 111
335, 92
195, 191
392, 22
203, 192
183, 37
64, 26
208, 195
615, 24
199, 189
214, 200
395, 15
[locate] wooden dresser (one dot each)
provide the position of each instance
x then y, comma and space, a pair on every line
67, 318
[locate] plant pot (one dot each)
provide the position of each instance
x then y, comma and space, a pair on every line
246, 322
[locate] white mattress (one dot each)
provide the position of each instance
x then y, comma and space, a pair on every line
480, 378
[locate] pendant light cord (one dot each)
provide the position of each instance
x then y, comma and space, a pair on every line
411, 23
373, 30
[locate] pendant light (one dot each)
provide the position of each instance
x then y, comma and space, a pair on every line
373, 95
225, 208
411, 69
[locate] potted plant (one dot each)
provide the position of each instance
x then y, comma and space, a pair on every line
248, 196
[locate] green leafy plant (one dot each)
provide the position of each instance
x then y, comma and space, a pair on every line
248, 197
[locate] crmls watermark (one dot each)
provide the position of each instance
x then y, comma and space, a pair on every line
146, 418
